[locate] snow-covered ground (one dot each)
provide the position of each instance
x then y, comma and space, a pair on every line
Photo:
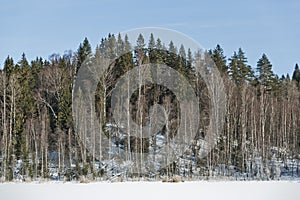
152, 190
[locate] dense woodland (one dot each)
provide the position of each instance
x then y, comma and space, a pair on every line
260, 137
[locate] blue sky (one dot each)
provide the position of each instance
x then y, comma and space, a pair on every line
40, 28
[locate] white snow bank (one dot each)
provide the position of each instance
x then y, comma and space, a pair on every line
152, 190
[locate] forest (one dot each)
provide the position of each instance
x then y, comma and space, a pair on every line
259, 138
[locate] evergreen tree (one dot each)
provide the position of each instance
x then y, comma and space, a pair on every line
7, 99
158, 44
296, 76
189, 60
120, 46
140, 43
102, 47
219, 59
182, 63
162, 54
233, 69
124, 62
8, 66
111, 46
36, 119
239, 71
83, 51
151, 44
266, 76
172, 57
127, 44
247, 73
151, 49
65, 100
140, 50
24, 111
190, 71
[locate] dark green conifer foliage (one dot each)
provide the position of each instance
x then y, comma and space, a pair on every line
140, 51
173, 59
266, 76
182, 60
239, 71
36, 116
296, 76
83, 51
219, 59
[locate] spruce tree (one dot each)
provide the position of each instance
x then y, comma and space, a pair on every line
233, 69
239, 71
112, 46
162, 54
219, 59
120, 46
296, 76
8, 66
140, 50
151, 43
182, 60
266, 76
172, 57
247, 73
151, 49
83, 51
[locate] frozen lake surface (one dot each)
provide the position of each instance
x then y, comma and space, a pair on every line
273, 190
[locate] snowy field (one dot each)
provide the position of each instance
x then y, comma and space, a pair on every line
152, 190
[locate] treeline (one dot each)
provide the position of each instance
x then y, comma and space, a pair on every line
261, 129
